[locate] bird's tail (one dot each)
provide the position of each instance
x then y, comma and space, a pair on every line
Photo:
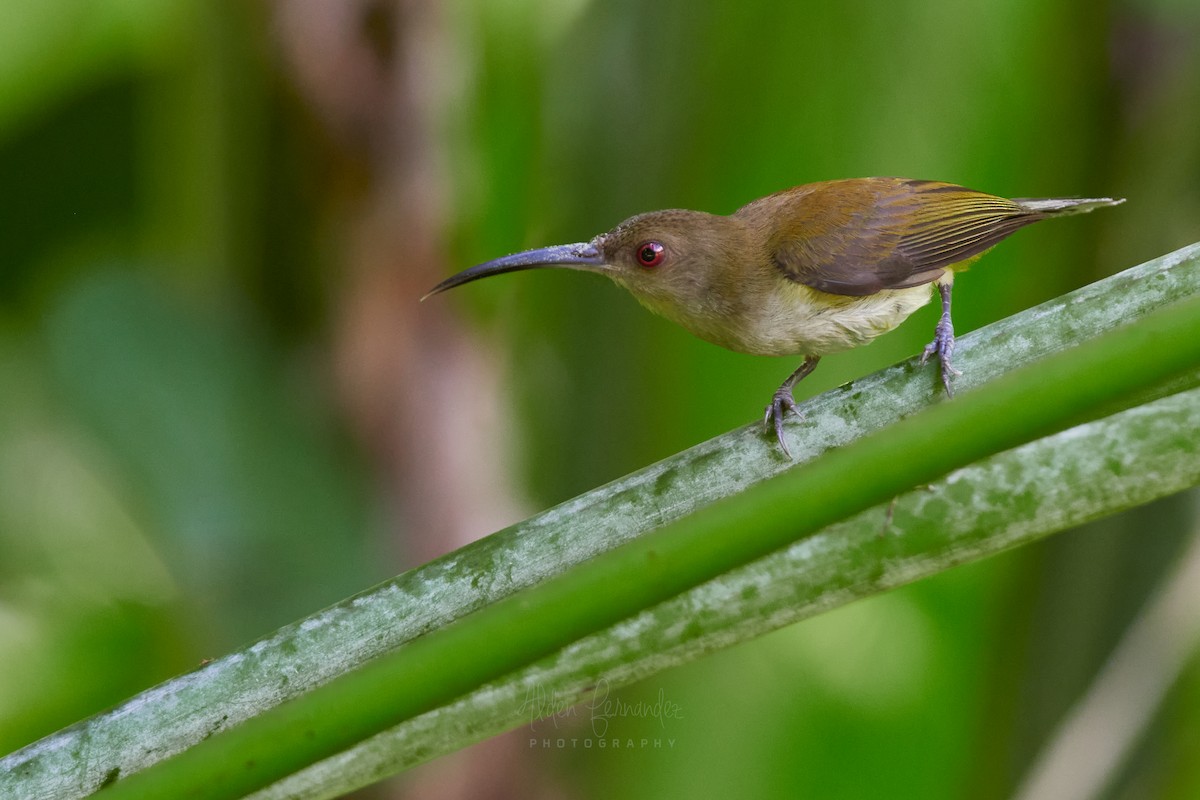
1062, 206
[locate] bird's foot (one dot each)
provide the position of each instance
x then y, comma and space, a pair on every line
943, 347
782, 404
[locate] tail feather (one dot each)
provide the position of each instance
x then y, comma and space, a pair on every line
1062, 206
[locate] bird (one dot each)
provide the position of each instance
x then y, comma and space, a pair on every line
807, 271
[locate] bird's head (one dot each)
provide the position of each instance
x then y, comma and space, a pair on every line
675, 262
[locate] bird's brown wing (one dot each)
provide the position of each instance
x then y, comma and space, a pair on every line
858, 237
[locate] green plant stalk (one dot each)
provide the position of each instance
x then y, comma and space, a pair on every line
173, 716
1013, 498
519, 630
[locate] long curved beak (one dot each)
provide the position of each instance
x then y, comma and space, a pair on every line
582, 255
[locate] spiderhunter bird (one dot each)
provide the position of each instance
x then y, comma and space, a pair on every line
808, 271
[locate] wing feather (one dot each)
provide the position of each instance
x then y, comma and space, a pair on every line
861, 236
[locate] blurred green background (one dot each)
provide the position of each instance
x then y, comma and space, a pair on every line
222, 408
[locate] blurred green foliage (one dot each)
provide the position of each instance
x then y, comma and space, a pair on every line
173, 482
175, 477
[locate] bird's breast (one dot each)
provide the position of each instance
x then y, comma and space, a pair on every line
762, 314
797, 320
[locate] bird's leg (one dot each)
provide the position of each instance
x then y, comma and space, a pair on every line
782, 401
943, 340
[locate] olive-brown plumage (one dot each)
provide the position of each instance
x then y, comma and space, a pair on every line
807, 271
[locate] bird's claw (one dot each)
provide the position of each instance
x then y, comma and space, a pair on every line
942, 346
782, 403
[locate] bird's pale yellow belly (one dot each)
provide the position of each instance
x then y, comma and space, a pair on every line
798, 320
788, 318
803, 321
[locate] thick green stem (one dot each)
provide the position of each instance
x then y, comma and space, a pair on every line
1014, 498
174, 716
517, 631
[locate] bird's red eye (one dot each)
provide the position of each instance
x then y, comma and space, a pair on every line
650, 254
